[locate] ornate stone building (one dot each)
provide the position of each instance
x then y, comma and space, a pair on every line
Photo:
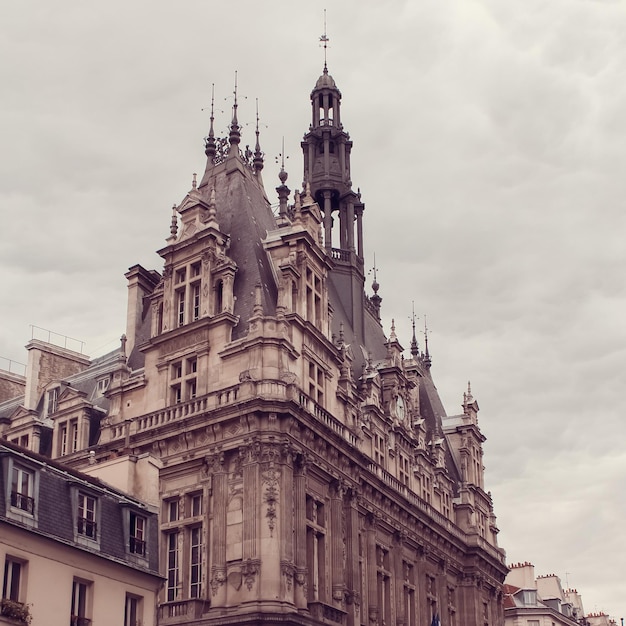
307, 471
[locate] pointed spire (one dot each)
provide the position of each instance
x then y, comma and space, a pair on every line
210, 146
414, 347
257, 161
235, 129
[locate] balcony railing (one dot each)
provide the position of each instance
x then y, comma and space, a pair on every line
86, 527
23, 502
179, 612
137, 546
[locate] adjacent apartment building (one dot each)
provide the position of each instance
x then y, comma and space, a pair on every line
304, 467
73, 550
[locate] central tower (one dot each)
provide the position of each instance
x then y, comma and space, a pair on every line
326, 148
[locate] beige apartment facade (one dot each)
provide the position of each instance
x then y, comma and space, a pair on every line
73, 550
304, 467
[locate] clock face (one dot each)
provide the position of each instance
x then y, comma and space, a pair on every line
401, 407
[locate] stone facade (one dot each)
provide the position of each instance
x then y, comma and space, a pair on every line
306, 472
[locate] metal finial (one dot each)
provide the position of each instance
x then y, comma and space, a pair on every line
210, 147
235, 135
375, 285
414, 346
324, 39
426, 353
258, 155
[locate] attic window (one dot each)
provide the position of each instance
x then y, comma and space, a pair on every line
52, 401
103, 385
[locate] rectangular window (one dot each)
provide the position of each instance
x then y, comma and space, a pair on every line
180, 295
191, 389
52, 401
195, 563
172, 567
196, 505
12, 579
80, 606
177, 370
177, 394
68, 437
133, 610
195, 300
22, 481
86, 522
172, 510
137, 534
383, 578
316, 549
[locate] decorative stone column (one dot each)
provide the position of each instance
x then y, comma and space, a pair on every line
287, 567
220, 507
337, 544
372, 583
299, 500
353, 578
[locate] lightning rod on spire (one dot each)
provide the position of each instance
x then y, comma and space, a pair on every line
324, 39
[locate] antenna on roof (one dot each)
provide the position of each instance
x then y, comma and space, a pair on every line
324, 39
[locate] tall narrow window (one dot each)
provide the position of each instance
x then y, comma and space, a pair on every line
133, 610
384, 583
52, 401
12, 579
195, 563
410, 616
137, 543
22, 490
86, 522
180, 306
79, 611
172, 567
195, 300
316, 549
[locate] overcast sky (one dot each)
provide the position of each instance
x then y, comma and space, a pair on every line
490, 149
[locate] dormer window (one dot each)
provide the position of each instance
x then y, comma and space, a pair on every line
22, 483
52, 401
137, 543
102, 385
86, 523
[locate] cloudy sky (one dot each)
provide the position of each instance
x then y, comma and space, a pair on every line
489, 146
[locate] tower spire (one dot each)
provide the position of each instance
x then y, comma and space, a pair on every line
235, 129
257, 161
210, 146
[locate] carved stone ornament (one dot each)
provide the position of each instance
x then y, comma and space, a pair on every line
288, 571
217, 579
249, 569
270, 496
